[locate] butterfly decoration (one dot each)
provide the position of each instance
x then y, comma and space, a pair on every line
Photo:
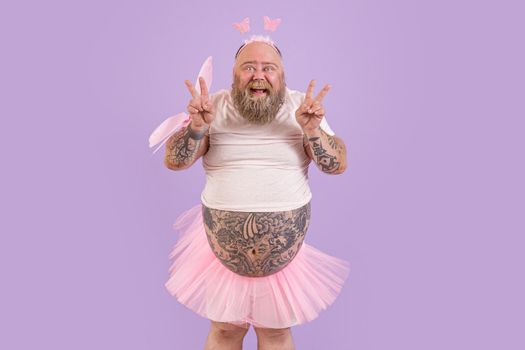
271, 24
178, 121
243, 26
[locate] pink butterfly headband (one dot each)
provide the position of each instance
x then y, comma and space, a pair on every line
269, 25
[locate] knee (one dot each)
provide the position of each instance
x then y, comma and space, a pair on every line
274, 334
228, 331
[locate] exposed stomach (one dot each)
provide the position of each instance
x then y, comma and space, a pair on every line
256, 244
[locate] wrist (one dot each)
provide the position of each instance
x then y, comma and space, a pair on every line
316, 132
197, 133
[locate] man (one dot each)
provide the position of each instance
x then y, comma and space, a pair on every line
256, 141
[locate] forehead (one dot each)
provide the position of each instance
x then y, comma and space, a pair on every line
258, 52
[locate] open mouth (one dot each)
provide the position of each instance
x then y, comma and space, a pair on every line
258, 92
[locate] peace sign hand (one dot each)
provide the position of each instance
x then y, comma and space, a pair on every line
200, 108
311, 111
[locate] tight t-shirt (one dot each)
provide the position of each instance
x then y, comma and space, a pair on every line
256, 168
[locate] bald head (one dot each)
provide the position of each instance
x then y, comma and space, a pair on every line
262, 40
258, 50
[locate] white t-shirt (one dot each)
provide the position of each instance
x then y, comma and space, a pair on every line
256, 167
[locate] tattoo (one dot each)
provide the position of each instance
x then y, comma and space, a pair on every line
333, 143
256, 244
324, 159
181, 148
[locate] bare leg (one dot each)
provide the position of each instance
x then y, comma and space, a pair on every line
274, 339
225, 336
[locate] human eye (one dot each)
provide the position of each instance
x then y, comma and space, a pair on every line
269, 69
249, 68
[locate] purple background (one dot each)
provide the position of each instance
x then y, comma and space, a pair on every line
425, 94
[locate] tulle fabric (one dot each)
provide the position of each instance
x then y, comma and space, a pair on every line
292, 296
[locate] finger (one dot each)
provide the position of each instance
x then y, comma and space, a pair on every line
196, 104
322, 93
210, 109
316, 108
192, 110
320, 113
191, 89
310, 91
204, 90
207, 107
312, 107
303, 108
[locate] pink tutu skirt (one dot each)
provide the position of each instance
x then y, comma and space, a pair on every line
294, 295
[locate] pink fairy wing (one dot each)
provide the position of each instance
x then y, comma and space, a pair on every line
174, 123
169, 126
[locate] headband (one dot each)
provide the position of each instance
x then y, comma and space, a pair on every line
261, 39
269, 25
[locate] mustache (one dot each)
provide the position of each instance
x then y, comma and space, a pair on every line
259, 84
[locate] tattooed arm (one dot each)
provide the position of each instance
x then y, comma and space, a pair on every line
328, 152
184, 148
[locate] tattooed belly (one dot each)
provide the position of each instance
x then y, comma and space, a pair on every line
256, 244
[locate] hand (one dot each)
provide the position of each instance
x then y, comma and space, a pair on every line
311, 111
200, 108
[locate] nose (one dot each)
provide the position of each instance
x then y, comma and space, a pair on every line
258, 75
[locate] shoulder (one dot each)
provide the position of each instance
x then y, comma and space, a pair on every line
220, 97
222, 101
225, 113
295, 97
